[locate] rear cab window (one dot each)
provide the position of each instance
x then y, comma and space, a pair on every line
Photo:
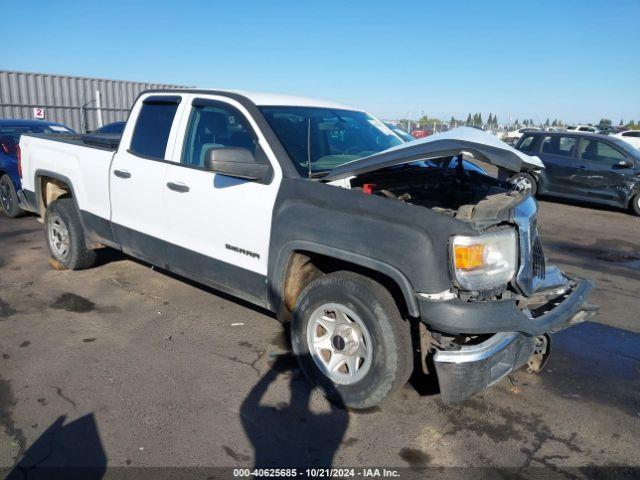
151, 132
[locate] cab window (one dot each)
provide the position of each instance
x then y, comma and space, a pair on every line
153, 125
599, 152
215, 124
559, 145
527, 143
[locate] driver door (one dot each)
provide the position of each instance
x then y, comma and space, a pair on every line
220, 226
601, 171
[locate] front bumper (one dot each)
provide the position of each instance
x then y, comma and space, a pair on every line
455, 316
465, 372
472, 368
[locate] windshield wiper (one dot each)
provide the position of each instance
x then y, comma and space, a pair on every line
320, 174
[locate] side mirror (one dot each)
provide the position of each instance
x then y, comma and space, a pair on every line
624, 164
237, 162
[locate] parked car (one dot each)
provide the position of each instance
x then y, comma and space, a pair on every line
583, 128
295, 205
514, 136
632, 137
112, 128
405, 136
584, 166
11, 197
608, 129
420, 133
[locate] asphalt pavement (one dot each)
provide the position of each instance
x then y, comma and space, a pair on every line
124, 365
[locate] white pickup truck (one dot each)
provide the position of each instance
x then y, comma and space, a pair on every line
382, 254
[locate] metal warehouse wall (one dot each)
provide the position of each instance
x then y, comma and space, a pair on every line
69, 100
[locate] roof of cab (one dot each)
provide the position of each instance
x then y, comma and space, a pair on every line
266, 99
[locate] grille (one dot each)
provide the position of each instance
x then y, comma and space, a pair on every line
538, 266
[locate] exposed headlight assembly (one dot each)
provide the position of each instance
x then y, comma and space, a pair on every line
485, 261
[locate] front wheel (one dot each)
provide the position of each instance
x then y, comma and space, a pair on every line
635, 204
9, 198
349, 339
524, 182
65, 237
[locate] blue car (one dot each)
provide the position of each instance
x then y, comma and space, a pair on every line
11, 197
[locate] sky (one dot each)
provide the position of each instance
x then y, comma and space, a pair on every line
573, 60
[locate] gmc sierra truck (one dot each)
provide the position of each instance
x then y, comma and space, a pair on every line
385, 256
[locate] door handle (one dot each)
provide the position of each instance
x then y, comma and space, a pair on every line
178, 187
122, 173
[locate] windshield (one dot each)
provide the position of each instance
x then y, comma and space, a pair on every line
334, 136
407, 137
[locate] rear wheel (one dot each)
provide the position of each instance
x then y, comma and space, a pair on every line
9, 198
523, 182
65, 237
635, 204
349, 338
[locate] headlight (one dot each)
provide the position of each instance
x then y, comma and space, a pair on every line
484, 261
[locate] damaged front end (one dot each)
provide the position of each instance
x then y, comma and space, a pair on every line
484, 335
504, 300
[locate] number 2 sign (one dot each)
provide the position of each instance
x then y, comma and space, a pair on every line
38, 113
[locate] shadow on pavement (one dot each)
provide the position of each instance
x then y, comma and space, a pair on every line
290, 434
71, 451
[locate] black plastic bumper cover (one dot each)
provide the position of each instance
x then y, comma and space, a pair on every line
455, 316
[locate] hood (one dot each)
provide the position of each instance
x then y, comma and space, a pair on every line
471, 141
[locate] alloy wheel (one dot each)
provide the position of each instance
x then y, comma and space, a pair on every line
339, 343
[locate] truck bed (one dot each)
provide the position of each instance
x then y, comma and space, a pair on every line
82, 161
103, 141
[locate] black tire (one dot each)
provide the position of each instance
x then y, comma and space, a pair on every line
391, 362
9, 198
634, 205
63, 215
528, 179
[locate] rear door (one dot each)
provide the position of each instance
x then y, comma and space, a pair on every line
557, 152
137, 176
600, 174
219, 226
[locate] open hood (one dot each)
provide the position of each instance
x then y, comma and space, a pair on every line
471, 141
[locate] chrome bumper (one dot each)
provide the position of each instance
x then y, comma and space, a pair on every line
463, 373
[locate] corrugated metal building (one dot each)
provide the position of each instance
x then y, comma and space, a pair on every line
79, 102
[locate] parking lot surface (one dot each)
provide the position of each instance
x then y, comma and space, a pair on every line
125, 365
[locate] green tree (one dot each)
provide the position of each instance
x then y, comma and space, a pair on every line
546, 123
621, 123
469, 119
495, 120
